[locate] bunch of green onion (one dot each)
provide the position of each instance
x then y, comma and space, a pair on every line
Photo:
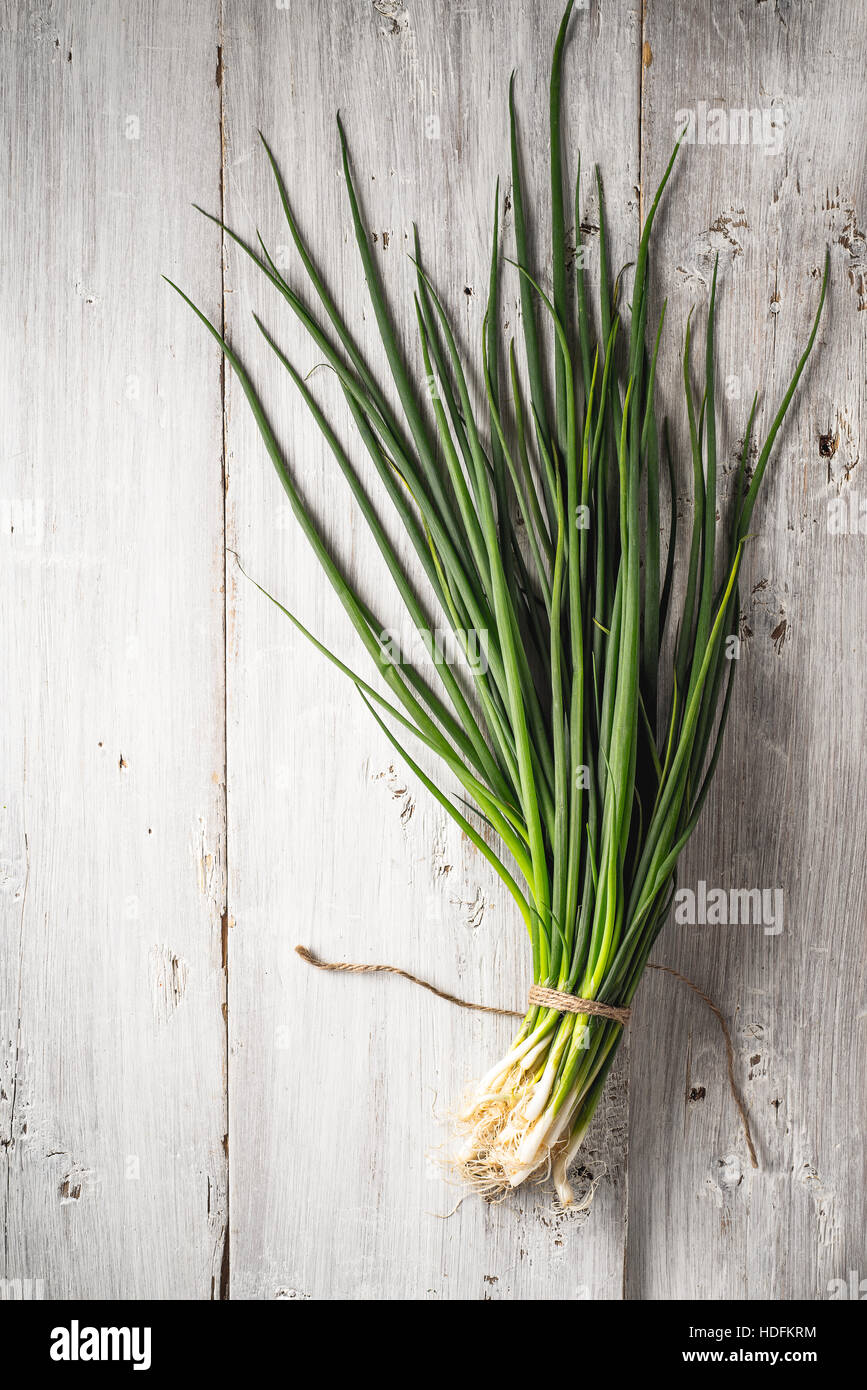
537, 526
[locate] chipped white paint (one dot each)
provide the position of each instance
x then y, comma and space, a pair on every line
788, 807
169, 977
112, 1042
115, 910
340, 1087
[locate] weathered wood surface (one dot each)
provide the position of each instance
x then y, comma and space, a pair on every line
338, 1089
112, 1033
788, 807
112, 834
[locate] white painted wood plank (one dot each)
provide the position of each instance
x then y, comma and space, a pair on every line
111, 1031
788, 807
336, 1085
112, 1043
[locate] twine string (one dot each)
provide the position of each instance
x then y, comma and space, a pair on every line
350, 969
573, 1004
565, 1003
738, 1099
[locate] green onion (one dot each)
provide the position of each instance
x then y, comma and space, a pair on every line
557, 738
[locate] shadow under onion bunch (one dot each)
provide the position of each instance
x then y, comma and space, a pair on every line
537, 525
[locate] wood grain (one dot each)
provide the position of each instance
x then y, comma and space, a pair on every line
340, 1087
788, 806
186, 1109
112, 837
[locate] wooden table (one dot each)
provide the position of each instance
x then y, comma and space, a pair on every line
186, 1110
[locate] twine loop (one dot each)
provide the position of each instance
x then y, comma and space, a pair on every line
572, 1004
